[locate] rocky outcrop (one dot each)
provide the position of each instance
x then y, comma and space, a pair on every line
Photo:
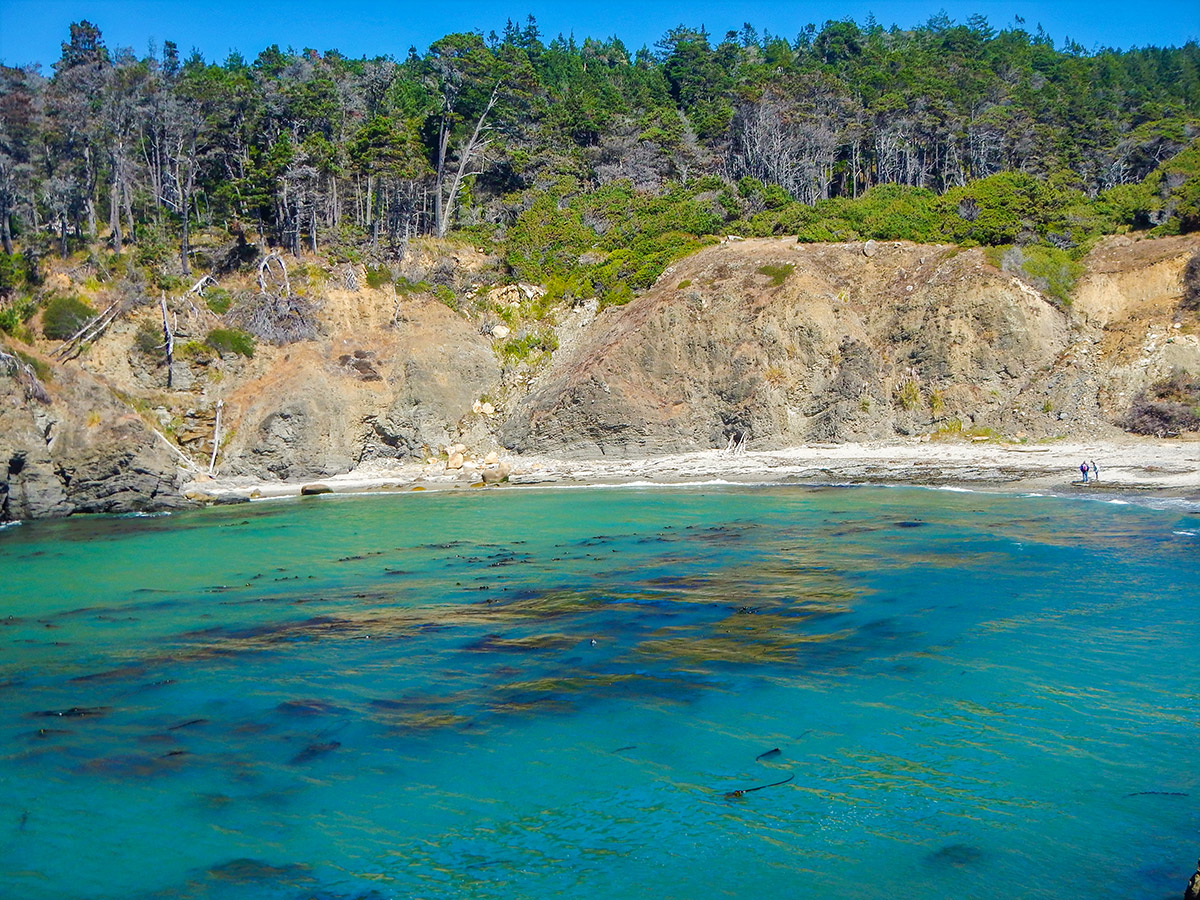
402, 391
781, 343
84, 451
762, 343
1193, 887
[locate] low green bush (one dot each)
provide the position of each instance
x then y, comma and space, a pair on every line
219, 300
149, 338
64, 316
777, 274
14, 315
378, 276
231, 340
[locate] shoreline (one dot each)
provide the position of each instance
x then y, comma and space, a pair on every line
1146, 468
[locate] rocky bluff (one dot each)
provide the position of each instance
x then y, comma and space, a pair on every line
764, 341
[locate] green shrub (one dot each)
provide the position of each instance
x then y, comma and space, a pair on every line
1050, 270
378, 276
777, 274
539, 341
14, 316
41, 369
201, 352
64, 316
404, 287
908, 395
231, 340
14, 272
219, 300
149, 338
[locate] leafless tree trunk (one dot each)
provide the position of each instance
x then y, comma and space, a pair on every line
168, 341
216, 438
444, 209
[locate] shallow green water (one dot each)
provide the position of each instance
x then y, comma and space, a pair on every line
400, 696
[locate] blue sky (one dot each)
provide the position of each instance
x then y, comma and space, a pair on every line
33, 30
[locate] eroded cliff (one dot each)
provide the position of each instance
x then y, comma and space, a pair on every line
764, 341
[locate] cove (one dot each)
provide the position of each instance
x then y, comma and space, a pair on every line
741, 692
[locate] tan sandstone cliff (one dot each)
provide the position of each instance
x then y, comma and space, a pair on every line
765, 341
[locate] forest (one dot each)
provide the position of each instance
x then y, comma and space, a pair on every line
585, 166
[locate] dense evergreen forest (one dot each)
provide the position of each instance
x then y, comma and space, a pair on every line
588, 167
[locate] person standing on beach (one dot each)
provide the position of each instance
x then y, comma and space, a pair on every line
1083, 470
1095, 471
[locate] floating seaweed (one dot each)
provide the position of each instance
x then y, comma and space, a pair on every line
954, 856
246, 871
312, 751
74, 712
739, 794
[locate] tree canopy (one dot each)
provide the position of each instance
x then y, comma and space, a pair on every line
554, 150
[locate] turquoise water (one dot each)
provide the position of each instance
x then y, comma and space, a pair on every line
400, 697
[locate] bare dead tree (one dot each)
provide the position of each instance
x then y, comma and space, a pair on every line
781, 143
267, 280
91, 330
23, 372
444, 206
216, 438
168, 341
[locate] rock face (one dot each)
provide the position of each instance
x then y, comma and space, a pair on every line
85, 451
1193, 887
398, 391
780, 343
762, 343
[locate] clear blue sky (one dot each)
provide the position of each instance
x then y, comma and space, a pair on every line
31, 31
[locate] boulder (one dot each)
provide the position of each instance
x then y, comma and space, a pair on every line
496, 474
311, 490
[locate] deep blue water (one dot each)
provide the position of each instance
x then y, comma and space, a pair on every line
399, 697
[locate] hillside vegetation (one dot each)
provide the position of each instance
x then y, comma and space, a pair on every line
289, 267
589, 166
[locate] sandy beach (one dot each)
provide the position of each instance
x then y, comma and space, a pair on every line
1144, 467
